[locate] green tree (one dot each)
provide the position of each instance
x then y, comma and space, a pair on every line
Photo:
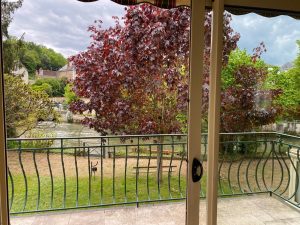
31, 60
57, 86
289, 83
135, 83
70, 94
50, 59
45, 87
11, 46
7, 10
24, 106
247, 103
34, 57
11, 52
237, 59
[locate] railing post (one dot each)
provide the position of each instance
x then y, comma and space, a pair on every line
63, 170
103, 149
273, 165
294, 187
107, 150
83, 149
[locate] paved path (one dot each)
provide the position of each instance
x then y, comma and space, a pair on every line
254, 210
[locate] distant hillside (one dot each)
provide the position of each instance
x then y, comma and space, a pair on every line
37, 56
34, 56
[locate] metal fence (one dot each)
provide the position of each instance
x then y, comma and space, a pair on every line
48, 174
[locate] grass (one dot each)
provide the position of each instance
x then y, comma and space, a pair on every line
116, 194
85, 198
110, 195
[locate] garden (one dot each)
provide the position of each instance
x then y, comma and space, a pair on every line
132, 91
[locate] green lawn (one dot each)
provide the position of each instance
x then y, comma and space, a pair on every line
85, 198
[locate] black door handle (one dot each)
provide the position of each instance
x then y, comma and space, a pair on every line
197, 170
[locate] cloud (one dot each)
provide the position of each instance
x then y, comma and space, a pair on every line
62, 24
278, 33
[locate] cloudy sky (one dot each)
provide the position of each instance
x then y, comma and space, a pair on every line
62, 25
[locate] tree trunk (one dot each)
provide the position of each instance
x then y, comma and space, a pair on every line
160, 148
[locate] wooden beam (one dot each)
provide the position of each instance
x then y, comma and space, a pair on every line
214, 110
4, 209
195, 104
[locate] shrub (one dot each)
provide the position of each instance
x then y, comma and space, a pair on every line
57, 86
28, 144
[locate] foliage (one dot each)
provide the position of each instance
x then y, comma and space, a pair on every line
30, 60
237, 59
24, 106
52, 86
7, 10
37, 56
45, 141
31, 55
11, 52
142, 85
136, 75
246, 102
44, 87
11, 47
289, 83
70, 95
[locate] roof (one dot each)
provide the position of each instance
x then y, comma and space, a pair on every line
67, 67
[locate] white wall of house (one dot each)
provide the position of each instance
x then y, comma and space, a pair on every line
22, 71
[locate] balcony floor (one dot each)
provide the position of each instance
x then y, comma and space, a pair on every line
251, 210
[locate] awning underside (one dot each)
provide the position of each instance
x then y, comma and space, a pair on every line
267, 8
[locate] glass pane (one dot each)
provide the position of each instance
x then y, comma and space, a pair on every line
96, 112
259, 95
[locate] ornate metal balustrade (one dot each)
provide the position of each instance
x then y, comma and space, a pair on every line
65, 173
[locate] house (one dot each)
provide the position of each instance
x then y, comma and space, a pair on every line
23, 72
41, 73
68, 71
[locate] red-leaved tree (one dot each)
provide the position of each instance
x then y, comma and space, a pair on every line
136, 75
246, 103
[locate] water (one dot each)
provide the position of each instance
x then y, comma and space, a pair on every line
65, 130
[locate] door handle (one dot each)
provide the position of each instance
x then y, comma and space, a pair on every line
197, 170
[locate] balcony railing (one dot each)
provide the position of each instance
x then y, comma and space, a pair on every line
47, 174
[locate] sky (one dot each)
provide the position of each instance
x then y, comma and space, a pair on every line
62, 25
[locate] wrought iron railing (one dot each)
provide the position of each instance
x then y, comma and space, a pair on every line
48, 174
